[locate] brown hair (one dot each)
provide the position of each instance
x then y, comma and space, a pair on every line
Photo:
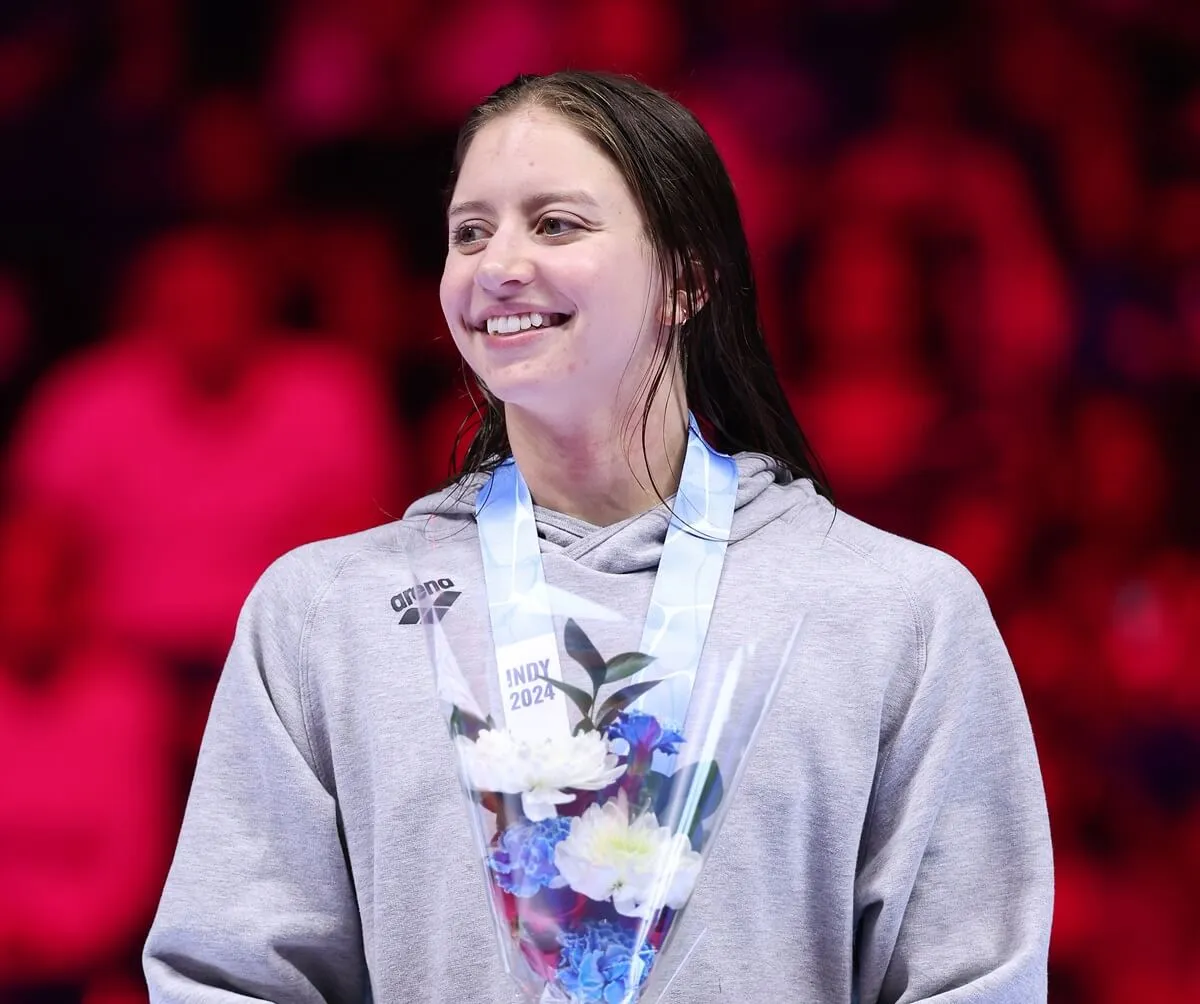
695, 230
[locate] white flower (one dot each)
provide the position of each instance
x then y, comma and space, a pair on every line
538, 770
640, 865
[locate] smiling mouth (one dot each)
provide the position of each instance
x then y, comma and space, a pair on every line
514, 324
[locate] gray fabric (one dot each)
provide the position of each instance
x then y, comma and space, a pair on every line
888, 841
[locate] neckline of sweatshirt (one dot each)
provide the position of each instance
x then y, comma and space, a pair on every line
766, 492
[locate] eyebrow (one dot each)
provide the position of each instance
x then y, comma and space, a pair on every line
529, 205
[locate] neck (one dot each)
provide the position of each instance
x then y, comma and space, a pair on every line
592, 468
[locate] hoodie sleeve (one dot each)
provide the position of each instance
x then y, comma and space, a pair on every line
954, 889
258, 904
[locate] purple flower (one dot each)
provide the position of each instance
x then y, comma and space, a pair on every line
524, 861
596, 960
644, 735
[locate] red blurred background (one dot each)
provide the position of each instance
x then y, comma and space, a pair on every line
977, 231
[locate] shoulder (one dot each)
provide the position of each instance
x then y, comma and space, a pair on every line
294, 586
929, 603
924, 571
917, 614
859, 556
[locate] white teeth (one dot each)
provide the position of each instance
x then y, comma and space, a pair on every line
511, 323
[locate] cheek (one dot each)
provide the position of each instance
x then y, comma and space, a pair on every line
453, 293
450, 290
637, 287
617, 294
461, 344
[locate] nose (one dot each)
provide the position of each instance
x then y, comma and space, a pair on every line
504, 264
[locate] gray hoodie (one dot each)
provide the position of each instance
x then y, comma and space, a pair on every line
888, 841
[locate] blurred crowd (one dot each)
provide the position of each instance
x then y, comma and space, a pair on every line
976, 227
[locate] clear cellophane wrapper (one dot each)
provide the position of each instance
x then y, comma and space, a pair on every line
592, 843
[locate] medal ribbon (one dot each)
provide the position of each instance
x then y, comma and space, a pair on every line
681, 602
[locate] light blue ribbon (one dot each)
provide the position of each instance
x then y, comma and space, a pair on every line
685, 586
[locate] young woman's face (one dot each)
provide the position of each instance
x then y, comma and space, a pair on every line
550, 287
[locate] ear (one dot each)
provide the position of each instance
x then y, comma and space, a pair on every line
677, 309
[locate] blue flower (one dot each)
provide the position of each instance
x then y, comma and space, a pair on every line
644, 735
595, 961
524, 861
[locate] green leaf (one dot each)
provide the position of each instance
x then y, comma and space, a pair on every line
619, 701
675, 797
463, 723
672, 798
650, 789
712, 792
583, 700
667, 797
626, 664
580, 648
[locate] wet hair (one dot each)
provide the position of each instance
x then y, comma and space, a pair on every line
695, 231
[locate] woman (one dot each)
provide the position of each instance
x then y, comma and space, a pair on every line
889, 839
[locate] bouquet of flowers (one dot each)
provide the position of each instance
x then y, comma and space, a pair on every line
594, 802
592, 840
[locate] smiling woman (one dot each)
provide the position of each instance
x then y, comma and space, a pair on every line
882, 829
605, 201
523, 245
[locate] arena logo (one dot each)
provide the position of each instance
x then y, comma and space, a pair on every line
410, 602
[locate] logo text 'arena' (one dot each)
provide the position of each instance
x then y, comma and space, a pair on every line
439, 594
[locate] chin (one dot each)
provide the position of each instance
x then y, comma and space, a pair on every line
543, 396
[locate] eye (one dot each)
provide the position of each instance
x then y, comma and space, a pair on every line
467, 234
556, 226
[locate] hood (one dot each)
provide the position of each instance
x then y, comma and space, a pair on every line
765, 492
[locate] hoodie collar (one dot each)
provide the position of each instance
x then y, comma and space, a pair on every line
765, 492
